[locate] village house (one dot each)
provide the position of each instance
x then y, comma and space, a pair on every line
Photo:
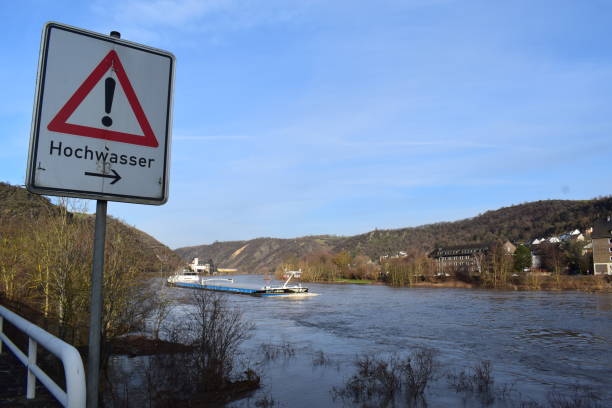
400, 254
536, 259
588, 248
574, 235
602, 247
468, 257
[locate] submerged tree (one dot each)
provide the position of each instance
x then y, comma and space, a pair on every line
217, 331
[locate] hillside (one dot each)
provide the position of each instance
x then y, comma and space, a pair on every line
257, 254
518, 223
17, 204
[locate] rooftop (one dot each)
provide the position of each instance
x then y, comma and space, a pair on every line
602, 228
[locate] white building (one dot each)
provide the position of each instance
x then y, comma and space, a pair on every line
198, 266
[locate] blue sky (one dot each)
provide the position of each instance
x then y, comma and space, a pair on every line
301, 117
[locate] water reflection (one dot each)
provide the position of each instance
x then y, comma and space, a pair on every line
603, 302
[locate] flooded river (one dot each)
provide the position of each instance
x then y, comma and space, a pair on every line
540, 344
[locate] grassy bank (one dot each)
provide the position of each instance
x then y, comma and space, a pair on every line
444, 284
496, 270
549, 283
586, 283
356, 281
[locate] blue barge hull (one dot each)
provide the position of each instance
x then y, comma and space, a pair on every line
239, 290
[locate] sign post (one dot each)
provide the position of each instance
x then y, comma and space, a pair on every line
101, 130
95, 308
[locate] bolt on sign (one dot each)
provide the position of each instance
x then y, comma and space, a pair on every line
102, 118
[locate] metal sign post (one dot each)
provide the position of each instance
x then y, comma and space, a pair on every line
100, 130
95, 308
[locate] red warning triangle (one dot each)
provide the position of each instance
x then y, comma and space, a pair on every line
60, 124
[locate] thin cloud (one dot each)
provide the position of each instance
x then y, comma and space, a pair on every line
413, 143
211, 138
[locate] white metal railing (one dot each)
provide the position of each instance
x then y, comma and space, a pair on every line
74, 396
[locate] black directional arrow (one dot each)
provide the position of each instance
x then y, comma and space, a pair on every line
115, 176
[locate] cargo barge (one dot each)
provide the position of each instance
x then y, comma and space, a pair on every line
228, 285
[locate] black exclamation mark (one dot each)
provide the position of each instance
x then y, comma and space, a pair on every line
109, 92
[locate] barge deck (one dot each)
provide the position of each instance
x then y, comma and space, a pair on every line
228, 285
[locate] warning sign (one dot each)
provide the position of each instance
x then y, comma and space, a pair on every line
102, 118
110, 62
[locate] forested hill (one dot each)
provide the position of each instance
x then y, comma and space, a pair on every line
20, 207
518, 223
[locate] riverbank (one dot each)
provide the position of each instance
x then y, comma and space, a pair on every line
357, 281
580, 283
446, 284
545, 282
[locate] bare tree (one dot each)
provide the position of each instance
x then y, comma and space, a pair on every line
217, 330
12, 242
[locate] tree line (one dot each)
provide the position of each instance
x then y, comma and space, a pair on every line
45, 263
563, 266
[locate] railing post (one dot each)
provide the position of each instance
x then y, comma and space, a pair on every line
32, 350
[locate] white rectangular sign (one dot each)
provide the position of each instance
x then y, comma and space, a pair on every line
102, 118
